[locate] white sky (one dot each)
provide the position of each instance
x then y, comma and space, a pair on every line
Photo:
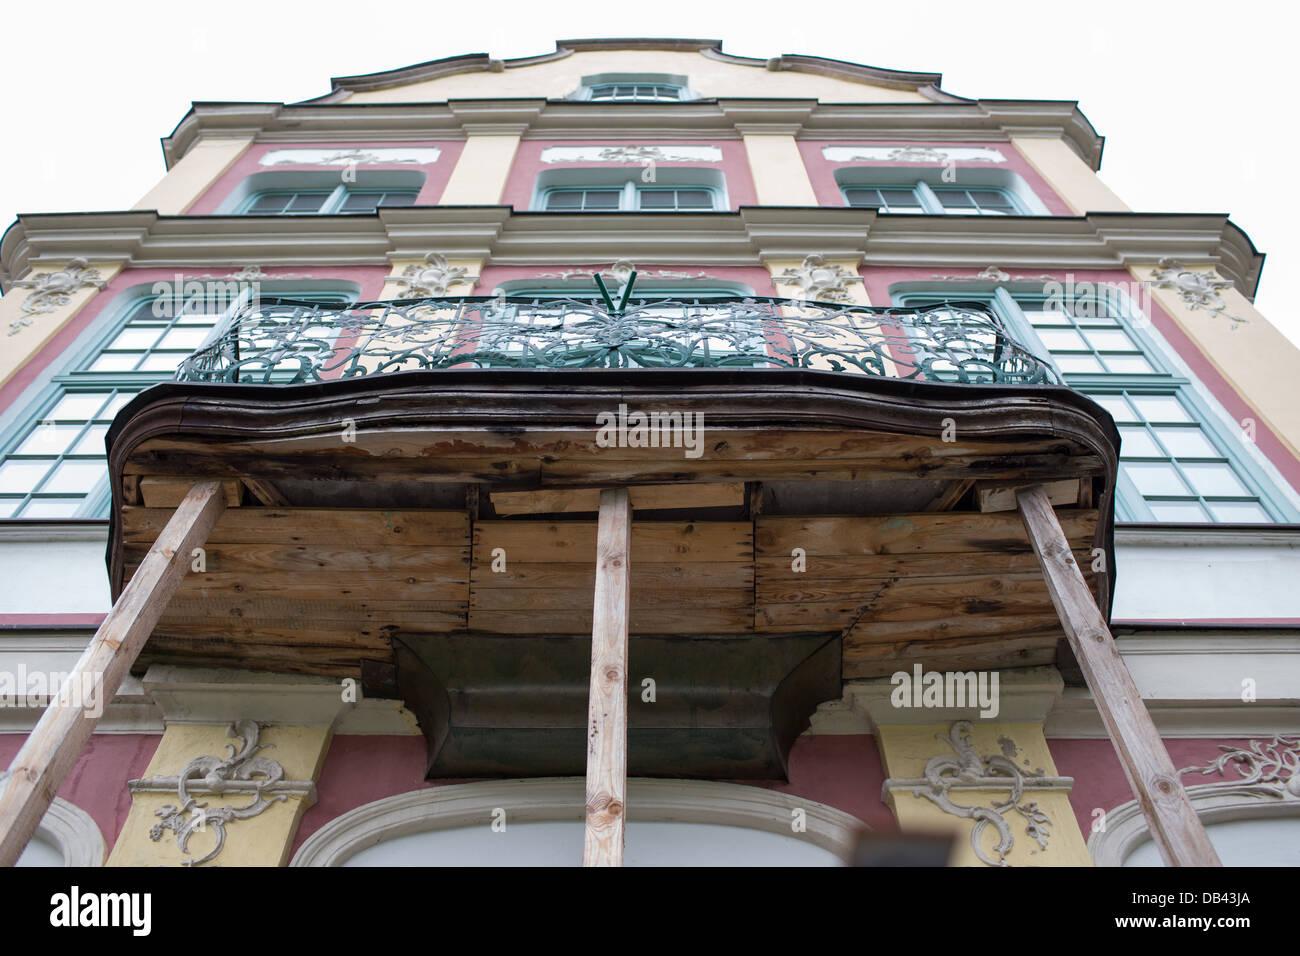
1190, 96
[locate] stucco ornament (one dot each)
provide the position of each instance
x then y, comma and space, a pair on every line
52, 290
1268, 767
818, 281
432, 279
993, 274
967, 770
1197, 290
918, 154
241, 772
621, 271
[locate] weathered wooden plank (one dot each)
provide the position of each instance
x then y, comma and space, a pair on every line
266, 492
311, 558
950, 591
168, 493
1175, 828
993, 626
896, 534
660, 542
565, 575
653, 620
1000, 496
947, 499
558, 599
284, 638
607, 697
307, 614
378, 587
847, 570
982, 655
322, 526
50, 751
644, 498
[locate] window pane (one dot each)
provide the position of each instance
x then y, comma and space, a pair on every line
1187, 443
1110, 340
1062, 340
1160, 408
136, 337
1046, 316
115, 362
8, 506
184, 338
48, 440
1155, 478
270, 203
115, 406
694, 199
21, 476
51, 508
162, 361
91, 443
1136, 443
78, 406
601, 200
1118, 408
1185, 511
954, 200
1128, 364
76, 477
306, 203
1214, 479
564, 199
399, 199
1078, 363
657, 199
1239, 511
863, 197
361, 202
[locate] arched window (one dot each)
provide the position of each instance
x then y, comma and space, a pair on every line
66, 836
539, 822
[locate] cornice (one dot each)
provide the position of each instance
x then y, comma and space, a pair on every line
144, 239
949, 121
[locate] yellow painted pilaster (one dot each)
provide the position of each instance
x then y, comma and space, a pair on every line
1072, 178
780, 177
195, 172
906, 749
23, 334
1257, 359
263, 840
479, 178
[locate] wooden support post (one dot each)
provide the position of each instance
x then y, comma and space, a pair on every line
607, 701
52, 748
1174, 825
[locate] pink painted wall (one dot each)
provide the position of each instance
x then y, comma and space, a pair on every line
436, 173
880, 284
97, 783
822, 172
1099, 779
528, 164
841, 771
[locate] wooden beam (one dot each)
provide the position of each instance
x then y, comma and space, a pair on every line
1001, 496
607, 701
952, 493
1176, 829
52, 748
266, 492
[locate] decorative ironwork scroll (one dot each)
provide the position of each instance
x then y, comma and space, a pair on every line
289, 342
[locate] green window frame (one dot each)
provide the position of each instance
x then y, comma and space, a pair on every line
1179, 462
630, 196
52, 456
922, 198
342, 199
640, 92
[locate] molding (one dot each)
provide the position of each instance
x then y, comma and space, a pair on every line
351, 156
1075, 717
73, 831
241, 772
1267, 785
47, 531
1194, 536
966, 770
203, 695
563, 798
145, 239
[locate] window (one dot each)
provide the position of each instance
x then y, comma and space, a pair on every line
308, 202
636, 91
634, 88
924, 198
53, 463
1177, 463
631, 196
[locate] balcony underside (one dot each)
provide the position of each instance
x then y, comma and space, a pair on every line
336, 546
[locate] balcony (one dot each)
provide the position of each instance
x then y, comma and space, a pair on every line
281, 341
412, 497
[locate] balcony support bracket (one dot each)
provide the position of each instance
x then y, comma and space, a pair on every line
1176, 829
51, 750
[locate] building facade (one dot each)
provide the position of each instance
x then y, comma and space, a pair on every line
385, 415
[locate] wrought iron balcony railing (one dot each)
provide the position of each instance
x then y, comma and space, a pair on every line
287, 342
